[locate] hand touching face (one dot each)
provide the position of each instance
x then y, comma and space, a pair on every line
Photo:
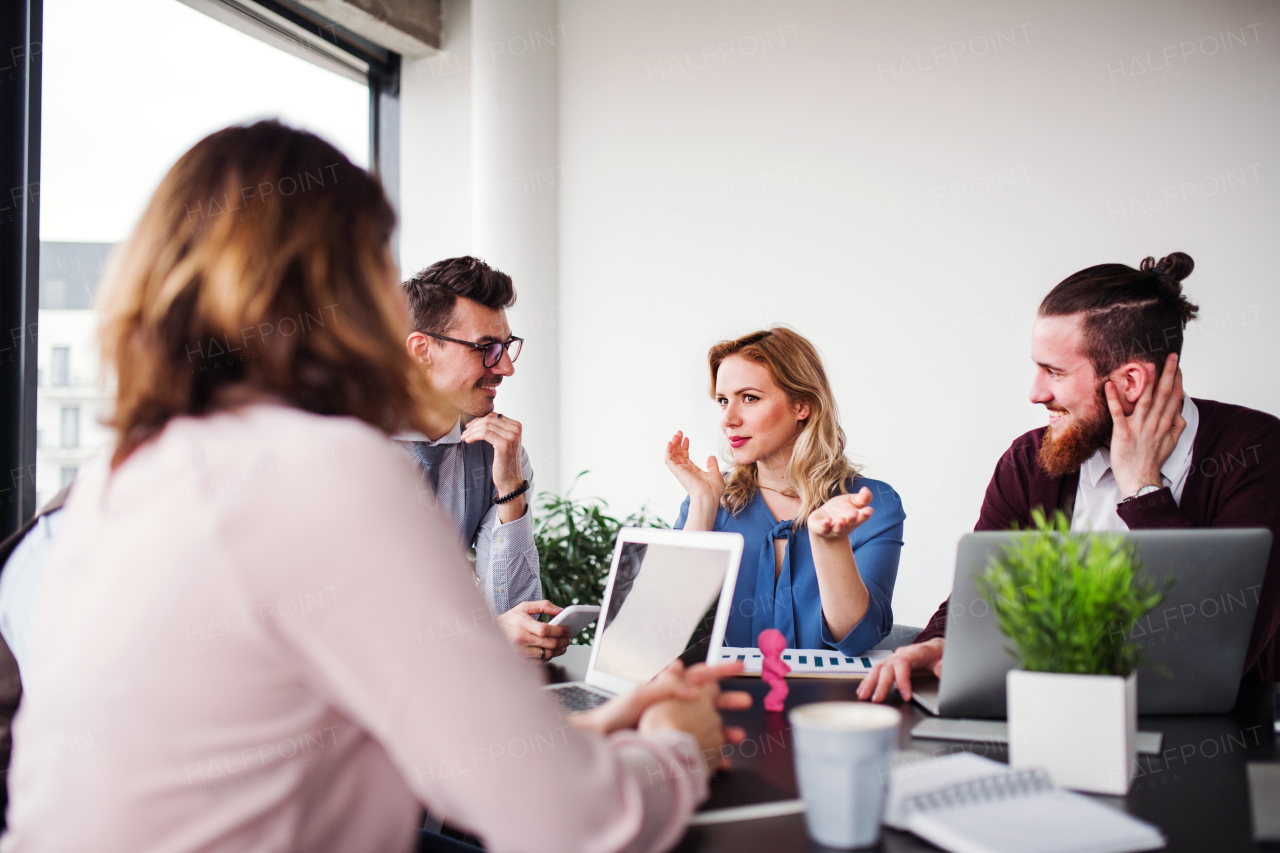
1143, 439
504, 435
1129, 410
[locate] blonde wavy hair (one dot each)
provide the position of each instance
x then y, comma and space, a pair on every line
818, 468
261, 264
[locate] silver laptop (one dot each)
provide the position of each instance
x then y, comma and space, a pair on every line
669, 592
1197, 638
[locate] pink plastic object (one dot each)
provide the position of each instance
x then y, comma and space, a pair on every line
774, 671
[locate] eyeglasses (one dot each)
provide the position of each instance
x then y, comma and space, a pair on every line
490, 354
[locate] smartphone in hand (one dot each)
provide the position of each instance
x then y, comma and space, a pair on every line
575, 617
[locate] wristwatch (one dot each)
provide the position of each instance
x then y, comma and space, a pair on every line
1145, 490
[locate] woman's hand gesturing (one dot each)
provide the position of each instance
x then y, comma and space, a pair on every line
841, 515
844, 594
698, 483
705, 488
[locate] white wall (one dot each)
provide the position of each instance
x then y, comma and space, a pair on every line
902, 183
515, 209
479, 138
435, 148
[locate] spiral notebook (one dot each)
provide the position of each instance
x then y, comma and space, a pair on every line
966, 806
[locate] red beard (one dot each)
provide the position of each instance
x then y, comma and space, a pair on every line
1063, 453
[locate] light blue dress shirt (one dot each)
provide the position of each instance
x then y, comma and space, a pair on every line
792, 604
506, 554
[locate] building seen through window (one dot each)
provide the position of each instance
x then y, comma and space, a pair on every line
71, 398
62, 366
70, 427
100, 83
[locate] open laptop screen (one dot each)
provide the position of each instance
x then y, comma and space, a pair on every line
662, 601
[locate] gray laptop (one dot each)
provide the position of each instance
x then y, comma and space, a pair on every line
1198, 635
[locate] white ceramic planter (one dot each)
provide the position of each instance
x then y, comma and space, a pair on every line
1082, 729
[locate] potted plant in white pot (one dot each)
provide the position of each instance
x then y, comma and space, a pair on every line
1067, 601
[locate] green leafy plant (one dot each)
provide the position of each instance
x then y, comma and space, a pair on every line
575, 539
1068, 600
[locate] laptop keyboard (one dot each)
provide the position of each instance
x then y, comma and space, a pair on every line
576, 699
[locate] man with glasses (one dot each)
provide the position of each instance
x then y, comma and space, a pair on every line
472, 456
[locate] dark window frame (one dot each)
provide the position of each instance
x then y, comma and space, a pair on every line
21, 34
382, 74
21, 28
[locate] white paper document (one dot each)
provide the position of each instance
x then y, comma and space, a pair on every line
810, 662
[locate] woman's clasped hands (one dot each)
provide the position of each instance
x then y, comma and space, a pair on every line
687, 699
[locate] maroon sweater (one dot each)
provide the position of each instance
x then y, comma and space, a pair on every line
1234, 482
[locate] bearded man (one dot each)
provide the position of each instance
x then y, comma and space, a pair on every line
1124, 448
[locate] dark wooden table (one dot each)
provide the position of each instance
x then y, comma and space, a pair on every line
1195, 791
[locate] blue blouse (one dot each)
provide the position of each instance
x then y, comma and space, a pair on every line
793, 605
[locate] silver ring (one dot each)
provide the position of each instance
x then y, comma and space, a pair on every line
542, 654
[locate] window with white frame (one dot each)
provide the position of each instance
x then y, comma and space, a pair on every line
70, 432
61, 367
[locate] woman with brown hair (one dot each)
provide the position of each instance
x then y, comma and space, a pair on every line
253, 633
831, 588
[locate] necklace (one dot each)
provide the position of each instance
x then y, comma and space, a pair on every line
787, 493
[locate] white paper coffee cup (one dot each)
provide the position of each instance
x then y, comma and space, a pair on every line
842, 765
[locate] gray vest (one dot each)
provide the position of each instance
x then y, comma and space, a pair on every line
477, 476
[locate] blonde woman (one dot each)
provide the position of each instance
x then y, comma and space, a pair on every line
822, 542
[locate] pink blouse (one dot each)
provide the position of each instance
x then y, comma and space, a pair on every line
257, 636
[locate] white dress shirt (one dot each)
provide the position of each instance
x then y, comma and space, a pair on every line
1098, 493
506, 555
20, 589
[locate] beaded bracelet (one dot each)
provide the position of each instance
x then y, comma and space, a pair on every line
524, 487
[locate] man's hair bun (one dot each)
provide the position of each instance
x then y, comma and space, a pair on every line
1176, 266
1127, 313
1167, 275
